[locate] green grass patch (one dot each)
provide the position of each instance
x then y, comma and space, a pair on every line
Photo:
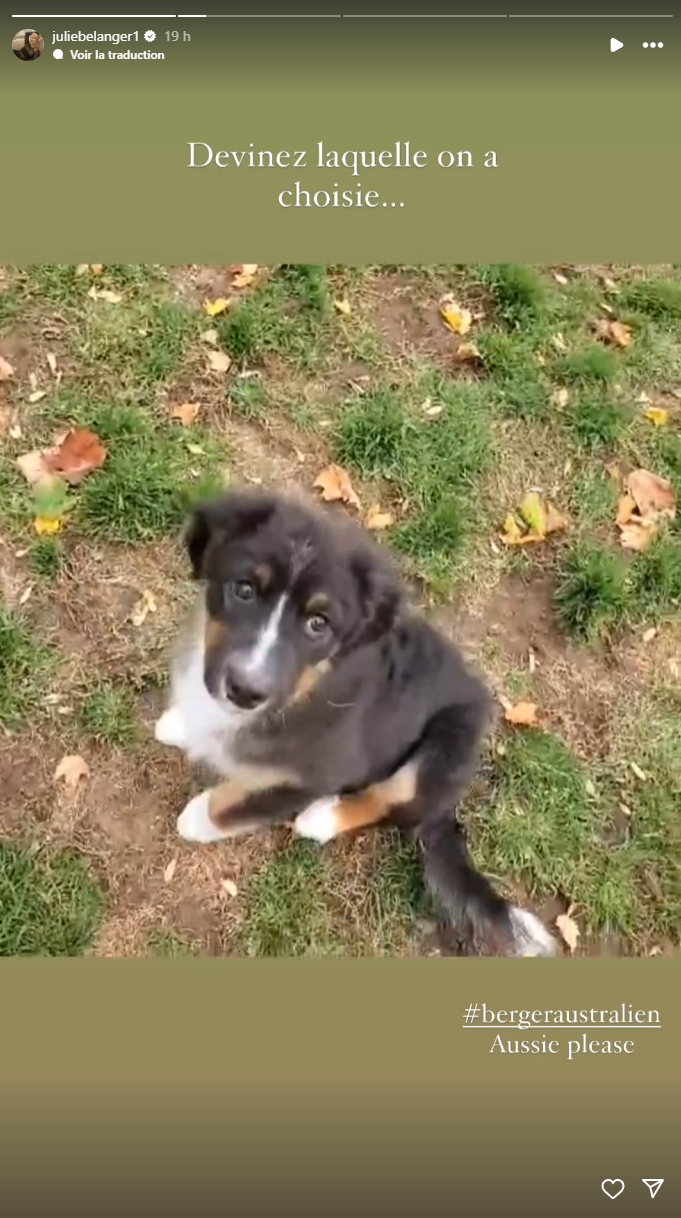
595, 364
591, 592
287, 911
519, 292
167, 943
287, 315
9, 308
48, 906
548, 830
248, 399
510, 361
25, 665
46, 557
138, 344
658, 298
593, 497
108, 714
596, 418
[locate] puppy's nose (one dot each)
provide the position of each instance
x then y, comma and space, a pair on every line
243, 691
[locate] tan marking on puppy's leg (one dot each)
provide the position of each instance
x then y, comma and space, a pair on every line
309, 679
329, 817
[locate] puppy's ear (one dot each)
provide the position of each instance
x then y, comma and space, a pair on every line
380, 597
227, 518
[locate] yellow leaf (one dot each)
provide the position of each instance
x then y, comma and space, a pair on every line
657, 415
455, 316
214, 307
186, 413
72, 769
45, 526
377, 520
569, 930
523, 714
334, 483
219, 361
343, 306
533, 512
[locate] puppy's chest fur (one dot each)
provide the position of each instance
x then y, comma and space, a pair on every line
209, 729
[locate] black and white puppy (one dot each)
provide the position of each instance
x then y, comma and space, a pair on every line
320, 698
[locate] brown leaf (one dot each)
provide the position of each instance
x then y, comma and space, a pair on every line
343, 306
147, 604
170, 871
613, 332
230, 888
467, 353
649, 634
6, 369
219, 361
638, 535
96, 268
244, 274
105, 294
378, 520
523, 714
186, 413
32, 466
569, 929
554, 522
72, 769
52, 362
625, 510
335, 484
654, 496
79, 453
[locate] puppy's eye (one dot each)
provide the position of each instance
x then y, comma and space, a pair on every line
243, 589
316, 624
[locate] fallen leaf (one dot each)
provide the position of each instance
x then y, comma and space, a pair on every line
72, 769
654, 496
79, 453
52, 362
377, 520
554, 521
640, 774
343, 306
15, 432
569, 930
610, 284
219, 361
643, 399
589, 787
210, 336
186, 413
105, 294
170, 871
214, 307
82, 268
559, 343
37, 396
455, 316
614, 332
32, 466
196, 450
655, 951
96, 268
657, 415
523, 714
6, 369
467, 353
147, 604
560, 397
533, 513
625, 510
561, 279
334, 483
431, 410
649, 634
33, 381
46, 526
230, 888
26, 595
244, 274
638, 535
513, 535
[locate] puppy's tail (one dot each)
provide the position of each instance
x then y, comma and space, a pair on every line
483, 921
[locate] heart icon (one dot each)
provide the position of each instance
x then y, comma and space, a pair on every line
612, 1188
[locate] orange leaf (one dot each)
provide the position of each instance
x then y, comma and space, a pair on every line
614, 332
638, 535
378, 520
625, 510
78, 454
334, 483
72, 769
186, 413
654, 496
523, 714
554, 522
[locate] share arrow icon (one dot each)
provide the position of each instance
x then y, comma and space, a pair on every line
654, 1186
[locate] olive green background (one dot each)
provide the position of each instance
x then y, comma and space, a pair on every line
586, 141
256, 1086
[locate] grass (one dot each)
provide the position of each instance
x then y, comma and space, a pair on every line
48, 906
25, 663
108, 714
448, 449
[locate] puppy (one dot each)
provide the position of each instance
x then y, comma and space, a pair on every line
318, 697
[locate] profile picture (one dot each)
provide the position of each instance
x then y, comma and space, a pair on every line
28, 44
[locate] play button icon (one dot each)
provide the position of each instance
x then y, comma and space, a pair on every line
615, 44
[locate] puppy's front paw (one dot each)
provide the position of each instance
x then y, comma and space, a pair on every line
169, 729
194, 823
319, 821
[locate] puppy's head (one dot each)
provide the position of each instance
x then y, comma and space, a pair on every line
289, 589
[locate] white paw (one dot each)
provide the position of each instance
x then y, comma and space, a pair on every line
531, 937
319, 821
194, 823
169, 729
